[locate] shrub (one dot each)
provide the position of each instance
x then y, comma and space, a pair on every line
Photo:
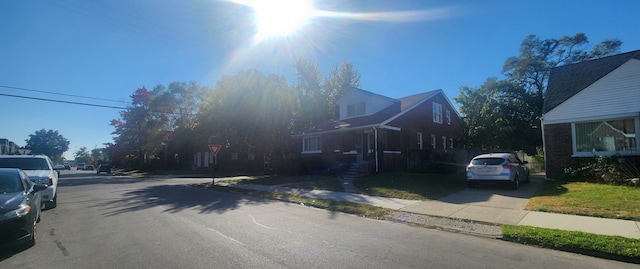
617, 170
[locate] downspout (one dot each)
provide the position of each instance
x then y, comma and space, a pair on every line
375, 134
544, 146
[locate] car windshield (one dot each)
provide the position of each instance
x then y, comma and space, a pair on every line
24, 163
10, 183
487, 161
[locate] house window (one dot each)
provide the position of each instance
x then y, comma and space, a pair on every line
437, 113
312, 144
356, 109
444, 143
251, 156
606, 137
234, 156
419, 140
451, 142
433, 141
448, 115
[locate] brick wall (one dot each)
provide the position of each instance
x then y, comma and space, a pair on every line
558, 147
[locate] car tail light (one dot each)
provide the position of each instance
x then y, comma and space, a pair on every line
507, 166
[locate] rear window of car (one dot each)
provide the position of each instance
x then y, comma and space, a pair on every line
487, 161
24, 163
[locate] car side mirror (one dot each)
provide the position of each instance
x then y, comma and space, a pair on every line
39, 187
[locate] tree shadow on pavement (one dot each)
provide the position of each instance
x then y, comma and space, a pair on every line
176, 198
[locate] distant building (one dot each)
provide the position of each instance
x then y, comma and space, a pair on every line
8, 147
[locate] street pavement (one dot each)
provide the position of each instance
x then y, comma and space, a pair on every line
485, 204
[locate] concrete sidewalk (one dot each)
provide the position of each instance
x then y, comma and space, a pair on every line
492, 206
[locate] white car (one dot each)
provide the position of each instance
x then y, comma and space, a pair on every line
40, 170
497, 168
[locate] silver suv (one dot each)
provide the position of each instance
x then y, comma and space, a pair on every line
40, 170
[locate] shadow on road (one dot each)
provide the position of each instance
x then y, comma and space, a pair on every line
176, 198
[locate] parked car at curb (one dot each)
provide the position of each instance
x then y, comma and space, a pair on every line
104, 168
89, 167
80, 166
20, 206
40, 170
503, 168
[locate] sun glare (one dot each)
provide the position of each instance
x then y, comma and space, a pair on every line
280, 18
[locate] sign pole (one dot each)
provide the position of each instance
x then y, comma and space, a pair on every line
214, 151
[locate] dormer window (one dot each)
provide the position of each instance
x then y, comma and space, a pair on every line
356, 109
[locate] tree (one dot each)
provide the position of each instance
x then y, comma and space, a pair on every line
537, 57
140, 131
247, 112
83, 155
499, 115
99, 155
180, 102
505, 114
318, 98
340, 80
312, 99
49, 143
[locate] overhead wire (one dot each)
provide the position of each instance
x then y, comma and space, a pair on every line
62, 94
76, 103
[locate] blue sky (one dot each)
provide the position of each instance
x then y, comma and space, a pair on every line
101, 51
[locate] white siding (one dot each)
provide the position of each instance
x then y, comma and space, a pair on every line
615, 95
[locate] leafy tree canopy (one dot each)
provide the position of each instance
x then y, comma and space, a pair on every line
537, 57
83, 155
504, 114
49, 143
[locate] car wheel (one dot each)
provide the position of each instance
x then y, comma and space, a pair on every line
515, 184
53, 203
34, 230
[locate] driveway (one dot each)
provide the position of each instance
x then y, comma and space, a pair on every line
486, 203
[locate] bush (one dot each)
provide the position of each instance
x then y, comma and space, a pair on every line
614, 170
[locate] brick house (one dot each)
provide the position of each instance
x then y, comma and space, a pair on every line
378, 132
591, 109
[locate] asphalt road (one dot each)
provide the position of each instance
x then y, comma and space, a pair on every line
104, 221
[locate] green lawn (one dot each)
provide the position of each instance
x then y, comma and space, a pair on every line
588, 199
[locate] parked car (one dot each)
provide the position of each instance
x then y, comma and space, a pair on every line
89, 167
80, 166
104, 168
505, 168
40, 170
67, 167
20, 206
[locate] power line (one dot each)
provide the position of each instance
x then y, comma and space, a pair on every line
60, 101
63, 94
87, 104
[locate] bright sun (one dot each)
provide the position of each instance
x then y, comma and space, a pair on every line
278, 18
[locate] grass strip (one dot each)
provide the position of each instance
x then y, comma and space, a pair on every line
604, 246
363, 210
